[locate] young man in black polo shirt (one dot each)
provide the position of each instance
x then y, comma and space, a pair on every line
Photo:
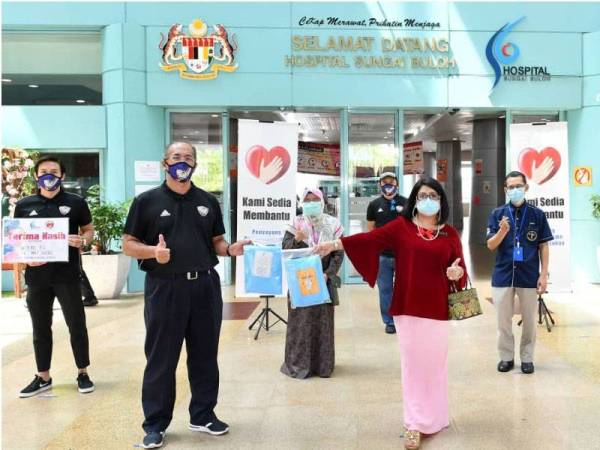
176, 232
382, 210
61, 280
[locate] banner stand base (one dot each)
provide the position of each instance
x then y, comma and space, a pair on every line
264, 317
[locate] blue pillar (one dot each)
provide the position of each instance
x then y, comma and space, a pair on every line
135, 131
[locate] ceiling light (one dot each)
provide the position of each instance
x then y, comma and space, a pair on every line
185, 137
502, 116
6, 80
389, 132
200, 142
33, 86
455, 139
392, 128
79, 100
214, 115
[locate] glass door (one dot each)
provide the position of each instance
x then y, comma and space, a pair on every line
372, 150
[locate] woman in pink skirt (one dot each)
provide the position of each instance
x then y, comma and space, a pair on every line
429, 258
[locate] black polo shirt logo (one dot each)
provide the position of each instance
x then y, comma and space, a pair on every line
165, 213
399, 208
33, 213
64, 210
203, 210
532, 235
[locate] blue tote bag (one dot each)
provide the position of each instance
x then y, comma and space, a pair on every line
263, 270
306, 281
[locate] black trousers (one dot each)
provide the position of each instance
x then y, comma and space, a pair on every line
39, 301
176, 309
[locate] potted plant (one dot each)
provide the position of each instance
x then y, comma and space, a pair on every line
17, 182
595, 201
106, 266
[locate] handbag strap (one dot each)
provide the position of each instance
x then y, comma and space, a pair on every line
468, 285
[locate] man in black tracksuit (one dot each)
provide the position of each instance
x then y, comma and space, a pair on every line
176, 232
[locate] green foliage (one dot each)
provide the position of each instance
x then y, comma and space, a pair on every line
108, 219
595, 201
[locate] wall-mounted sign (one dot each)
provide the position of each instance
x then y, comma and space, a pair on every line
318, 158
501, 52
413, 158
478, 165
582, 176
442, 170
487, 187
198, 56
365, 52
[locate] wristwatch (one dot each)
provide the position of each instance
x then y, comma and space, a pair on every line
227, 250
336, 244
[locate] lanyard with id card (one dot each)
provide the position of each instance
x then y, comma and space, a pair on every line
517, 249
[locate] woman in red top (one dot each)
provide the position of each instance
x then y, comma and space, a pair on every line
428, 256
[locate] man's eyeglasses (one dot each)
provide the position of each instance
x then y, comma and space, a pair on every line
425, 195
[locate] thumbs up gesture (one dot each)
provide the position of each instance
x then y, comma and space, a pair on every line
455, 272
161, 252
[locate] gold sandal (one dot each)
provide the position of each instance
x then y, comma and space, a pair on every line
412, 439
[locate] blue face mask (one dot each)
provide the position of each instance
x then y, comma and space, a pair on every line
516, 196
49, 182
428, 207
180, 171
312, 209
389, 189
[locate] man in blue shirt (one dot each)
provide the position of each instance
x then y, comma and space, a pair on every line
520, 232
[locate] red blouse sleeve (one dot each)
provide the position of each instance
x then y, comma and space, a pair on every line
364, 249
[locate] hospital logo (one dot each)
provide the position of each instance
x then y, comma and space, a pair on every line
502, 55
202, 210
199, 55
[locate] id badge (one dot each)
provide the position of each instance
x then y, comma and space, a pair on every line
518, 253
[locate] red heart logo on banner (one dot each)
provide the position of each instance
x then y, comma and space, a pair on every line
259, 159
539, 166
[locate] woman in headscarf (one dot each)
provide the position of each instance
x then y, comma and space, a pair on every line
309, 344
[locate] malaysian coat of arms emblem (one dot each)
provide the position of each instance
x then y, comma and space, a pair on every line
198, 56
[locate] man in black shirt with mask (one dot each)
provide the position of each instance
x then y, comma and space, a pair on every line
45, 281
382, 210
176, 232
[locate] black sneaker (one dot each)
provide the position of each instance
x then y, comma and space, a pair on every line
214, 427
390, 329
84, 384
153, 439
90, 301
35, 387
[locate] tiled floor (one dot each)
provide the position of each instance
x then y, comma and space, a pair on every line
359, 407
